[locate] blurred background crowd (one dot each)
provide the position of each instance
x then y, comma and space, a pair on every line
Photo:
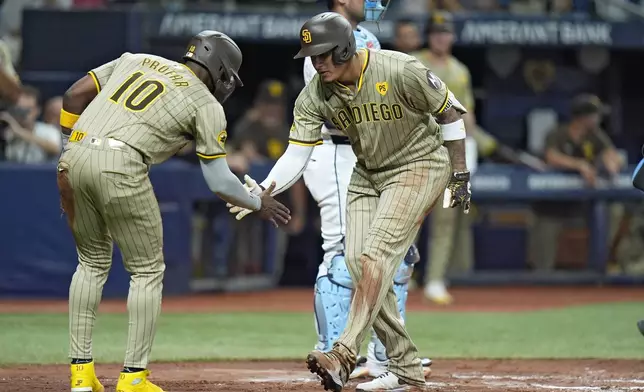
551, 108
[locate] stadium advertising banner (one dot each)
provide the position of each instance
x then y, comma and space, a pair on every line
471, 31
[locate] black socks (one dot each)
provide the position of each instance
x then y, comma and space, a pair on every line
76, 361
132, 370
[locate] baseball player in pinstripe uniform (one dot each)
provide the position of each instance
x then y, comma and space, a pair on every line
329, 189
406, 131
117, 121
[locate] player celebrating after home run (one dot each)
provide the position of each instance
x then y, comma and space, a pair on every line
406, 130
327, 177
126, 115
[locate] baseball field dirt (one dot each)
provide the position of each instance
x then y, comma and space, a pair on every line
448, 374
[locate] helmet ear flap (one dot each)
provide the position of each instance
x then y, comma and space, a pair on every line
343, 54
338, 55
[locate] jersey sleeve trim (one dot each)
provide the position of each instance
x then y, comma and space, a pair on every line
445, 103
305, 144
95, 79
215, 156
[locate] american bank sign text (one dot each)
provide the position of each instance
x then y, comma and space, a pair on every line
509, 32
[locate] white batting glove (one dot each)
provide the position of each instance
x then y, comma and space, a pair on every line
253, 187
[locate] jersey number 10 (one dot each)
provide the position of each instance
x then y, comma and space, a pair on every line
145, 93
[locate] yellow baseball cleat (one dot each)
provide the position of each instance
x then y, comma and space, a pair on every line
84, 379
136, 382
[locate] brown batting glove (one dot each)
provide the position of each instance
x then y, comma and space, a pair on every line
458, 192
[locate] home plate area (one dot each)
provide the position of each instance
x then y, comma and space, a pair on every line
448, 375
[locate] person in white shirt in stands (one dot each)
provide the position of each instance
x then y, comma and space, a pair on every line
29, 140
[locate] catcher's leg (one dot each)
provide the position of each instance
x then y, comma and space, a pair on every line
332, 302
76, 184
327, 177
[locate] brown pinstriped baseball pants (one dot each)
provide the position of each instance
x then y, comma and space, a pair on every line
107, 196
384, 212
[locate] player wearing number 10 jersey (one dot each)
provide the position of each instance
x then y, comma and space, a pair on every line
126, 115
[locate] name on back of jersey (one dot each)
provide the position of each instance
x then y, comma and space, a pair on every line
169, 70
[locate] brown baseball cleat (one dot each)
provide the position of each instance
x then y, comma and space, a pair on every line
328, 368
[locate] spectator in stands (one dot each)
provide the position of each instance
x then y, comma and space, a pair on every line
407, 38
52, 111
9, 81
261, 137
9, 87
29, 140
450, 242
580, 146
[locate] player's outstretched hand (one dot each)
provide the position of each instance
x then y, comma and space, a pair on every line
458, 192
272, 210
253, 187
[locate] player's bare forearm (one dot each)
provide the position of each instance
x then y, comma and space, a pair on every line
456, 148
79, 95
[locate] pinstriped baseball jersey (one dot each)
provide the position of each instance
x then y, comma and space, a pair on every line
389, 116
156, 106
364, 39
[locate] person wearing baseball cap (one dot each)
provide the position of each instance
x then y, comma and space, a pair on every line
580, 146
588, 104
451, 230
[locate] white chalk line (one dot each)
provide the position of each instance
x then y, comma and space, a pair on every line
607, 389
474, 376
489, 380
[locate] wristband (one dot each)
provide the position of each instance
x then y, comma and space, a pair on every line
68, 119
453, 131
461, 176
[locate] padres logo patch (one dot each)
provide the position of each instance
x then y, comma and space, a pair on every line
306, 36
433, 80
222, 137
382, 88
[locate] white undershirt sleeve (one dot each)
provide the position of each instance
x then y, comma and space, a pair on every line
289, 168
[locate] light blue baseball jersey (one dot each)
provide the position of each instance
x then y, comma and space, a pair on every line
364, 39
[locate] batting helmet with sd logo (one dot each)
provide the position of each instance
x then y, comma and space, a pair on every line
221, 56
327, 32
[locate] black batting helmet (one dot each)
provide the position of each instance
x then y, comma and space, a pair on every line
328, 31
221, 56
